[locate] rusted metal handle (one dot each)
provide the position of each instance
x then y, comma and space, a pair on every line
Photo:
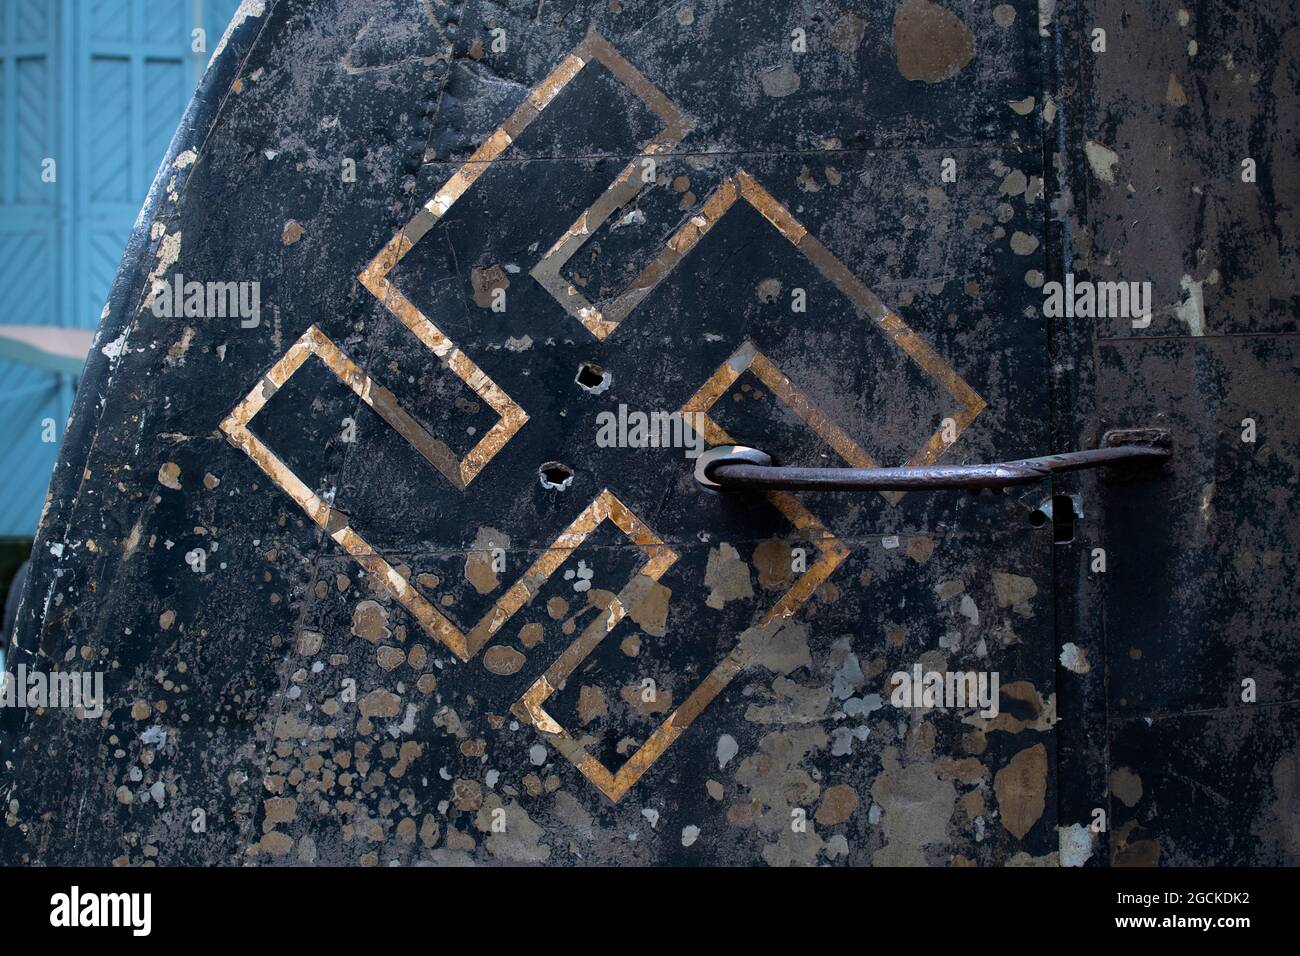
741, 468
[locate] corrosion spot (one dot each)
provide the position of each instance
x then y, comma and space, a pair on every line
370, 622
530, 635
486, 280
1021, 788
931, 44
169, 476
503, 660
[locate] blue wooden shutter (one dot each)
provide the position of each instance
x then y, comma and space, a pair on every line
29, 251
99, 86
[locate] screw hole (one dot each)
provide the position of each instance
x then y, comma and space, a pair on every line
1037, 518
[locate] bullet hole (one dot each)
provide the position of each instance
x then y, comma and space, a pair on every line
592, 378
555, 475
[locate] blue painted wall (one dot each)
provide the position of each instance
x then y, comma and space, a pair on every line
98, 86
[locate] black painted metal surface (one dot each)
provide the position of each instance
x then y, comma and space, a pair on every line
390, 576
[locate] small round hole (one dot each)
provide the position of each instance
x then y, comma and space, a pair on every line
1037, 518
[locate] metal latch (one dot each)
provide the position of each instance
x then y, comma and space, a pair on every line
742, 468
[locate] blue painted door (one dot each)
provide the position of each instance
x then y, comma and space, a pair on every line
29, 254
98, 88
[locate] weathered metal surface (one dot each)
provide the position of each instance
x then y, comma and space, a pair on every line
1200, 592
436, 619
